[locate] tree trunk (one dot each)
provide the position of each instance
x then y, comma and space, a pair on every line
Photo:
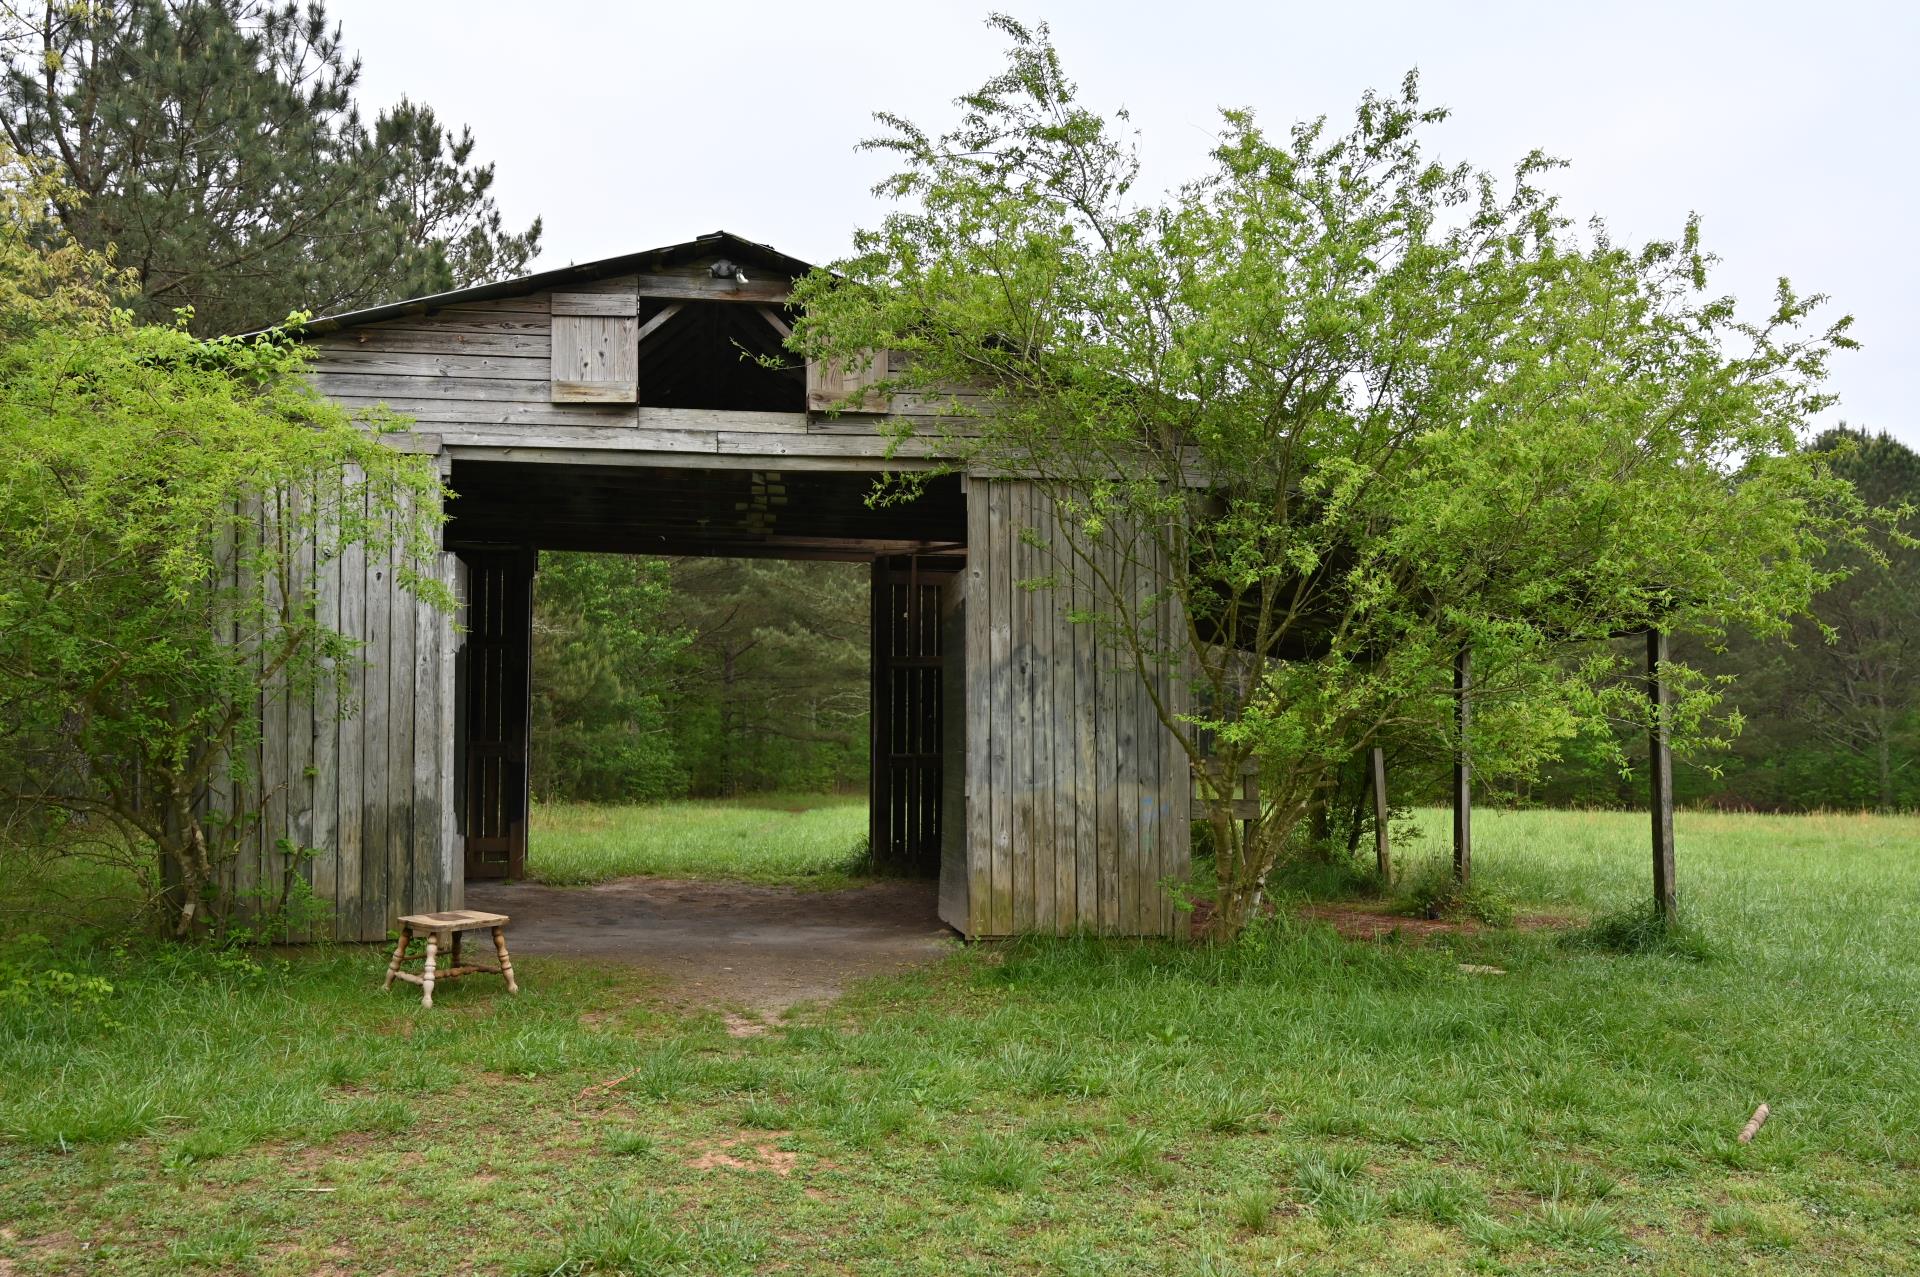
1883, 747
1227, 916
729, 778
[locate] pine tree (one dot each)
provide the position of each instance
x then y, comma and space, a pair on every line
216, 146
607, 649
1855, 687
777, 697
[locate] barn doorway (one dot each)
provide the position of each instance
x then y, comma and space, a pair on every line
505, 512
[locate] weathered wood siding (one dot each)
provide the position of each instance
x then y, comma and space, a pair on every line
370, 793
595, 347
1077, 797
482, 375
953, 906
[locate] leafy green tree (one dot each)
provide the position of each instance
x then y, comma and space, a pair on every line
215, 145
145, 618
1370, 410
607, 651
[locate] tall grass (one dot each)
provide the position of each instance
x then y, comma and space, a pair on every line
800, 839
1792, 886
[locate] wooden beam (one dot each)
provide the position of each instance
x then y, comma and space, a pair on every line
468, 447
413, 442
615, 392
778, 324
594, 305
1462, 766
1382, 857
829, 549
1660, 772
705, 288
653, 325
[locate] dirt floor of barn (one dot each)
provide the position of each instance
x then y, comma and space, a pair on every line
762, 948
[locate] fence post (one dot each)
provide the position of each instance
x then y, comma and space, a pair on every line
1462, 766
1381, 855
1660, 772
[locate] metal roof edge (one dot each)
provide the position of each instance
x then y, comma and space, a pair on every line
578, 273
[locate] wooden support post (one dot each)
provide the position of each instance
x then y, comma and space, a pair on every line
1462, 767
1382, 856
1660, 773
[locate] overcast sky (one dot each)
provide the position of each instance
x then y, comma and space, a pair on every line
1790, 127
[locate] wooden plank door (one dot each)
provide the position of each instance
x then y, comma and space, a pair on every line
904, 816
496, 670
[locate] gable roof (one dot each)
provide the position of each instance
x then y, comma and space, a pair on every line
747, 252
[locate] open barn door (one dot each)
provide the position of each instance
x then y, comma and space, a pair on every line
905, 793
495, 676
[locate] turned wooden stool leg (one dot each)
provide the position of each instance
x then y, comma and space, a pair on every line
506, 963
399, 953
426, 981
454, 949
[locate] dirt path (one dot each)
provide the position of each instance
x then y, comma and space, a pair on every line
1370, 921
727, 944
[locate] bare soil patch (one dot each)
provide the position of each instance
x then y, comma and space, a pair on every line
1364, 921
727, 944
739, 1026
1375, 920
745, 1154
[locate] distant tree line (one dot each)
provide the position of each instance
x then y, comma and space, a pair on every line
1831, 718
661, 678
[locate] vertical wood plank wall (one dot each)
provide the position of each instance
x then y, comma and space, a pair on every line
1076, 795
953, 906
370, 793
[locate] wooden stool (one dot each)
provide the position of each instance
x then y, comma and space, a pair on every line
445, 929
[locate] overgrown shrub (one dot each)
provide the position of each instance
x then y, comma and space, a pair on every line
33, 980
162, 504
1434, 892
1640, 928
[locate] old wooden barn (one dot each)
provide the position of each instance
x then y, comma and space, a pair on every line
617, 406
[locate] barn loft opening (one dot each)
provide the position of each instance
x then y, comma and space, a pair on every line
712, 354
504, 513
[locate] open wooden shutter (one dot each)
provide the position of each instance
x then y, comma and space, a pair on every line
596, 348
847, 384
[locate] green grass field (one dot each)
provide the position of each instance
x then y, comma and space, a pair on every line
793, 838
1299, 1104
